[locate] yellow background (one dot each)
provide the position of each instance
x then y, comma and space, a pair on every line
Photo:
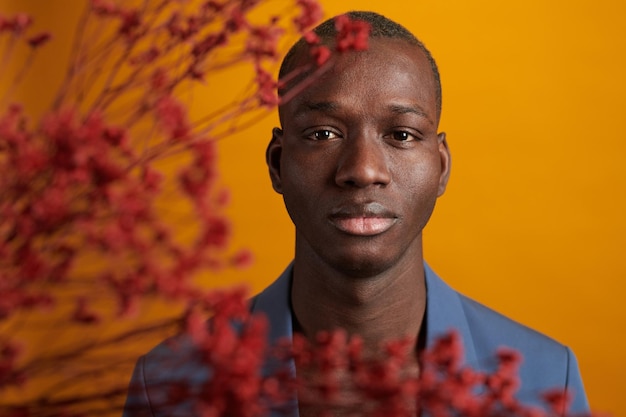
532, 224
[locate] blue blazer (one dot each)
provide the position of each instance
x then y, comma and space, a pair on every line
546, 364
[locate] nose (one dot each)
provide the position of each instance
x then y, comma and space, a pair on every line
362, 163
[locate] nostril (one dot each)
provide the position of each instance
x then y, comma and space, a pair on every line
363, 174
362, 162
350, 183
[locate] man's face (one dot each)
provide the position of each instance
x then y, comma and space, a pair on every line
359, 162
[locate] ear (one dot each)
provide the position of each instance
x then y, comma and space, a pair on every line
272, 158
446, 161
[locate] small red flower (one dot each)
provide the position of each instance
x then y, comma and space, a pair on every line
509, 359
351, 34
104, 7
208, 44
18, 24
242, 259
145, 57
311, 38
213, 6
267, 88
116, 136
151, 179
558, 400
105, 171
216, 233
263, 41
159, 79
131, 21
84, 314
175, 27
310, 13
172, 115
52, 207
39, 39
321, 54
236, 21
446, 353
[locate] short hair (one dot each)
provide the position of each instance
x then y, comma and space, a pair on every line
380, 27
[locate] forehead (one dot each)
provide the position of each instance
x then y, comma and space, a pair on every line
389, 72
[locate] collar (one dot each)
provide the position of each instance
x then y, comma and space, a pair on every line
444, 311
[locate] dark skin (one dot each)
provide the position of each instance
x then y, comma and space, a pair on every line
360, 165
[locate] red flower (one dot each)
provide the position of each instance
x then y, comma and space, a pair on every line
104, 7
558, 401
151, 179
208, 43
351, 34
52, 207
216, 233
237, 20
235, 356
175, 28
145, 57
311, 12
83, 314
242, 259
116, 136
18, 24
131, 22
267, 88
105, 170
228, 304
39, 39
311, 38
159, 79
446, 353
172, 115
509, 359
321, 54
263, 41
213, 6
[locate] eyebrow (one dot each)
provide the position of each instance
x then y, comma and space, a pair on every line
403, 109
322, 106
329, 106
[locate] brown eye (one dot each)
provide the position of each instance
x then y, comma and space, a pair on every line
402, 136
323, 135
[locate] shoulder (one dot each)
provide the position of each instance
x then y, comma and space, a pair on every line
546, 363
490, 328
483, 329
171, 367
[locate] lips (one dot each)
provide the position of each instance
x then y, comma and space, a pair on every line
368, 219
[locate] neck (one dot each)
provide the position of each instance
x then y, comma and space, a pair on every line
386, 306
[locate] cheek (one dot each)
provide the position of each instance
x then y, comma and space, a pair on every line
306, 171
420, 185
297, 177
419, 175
301, 185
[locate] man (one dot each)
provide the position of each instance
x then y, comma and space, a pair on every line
360, 164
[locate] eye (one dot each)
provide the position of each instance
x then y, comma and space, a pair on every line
322, 134
402, 136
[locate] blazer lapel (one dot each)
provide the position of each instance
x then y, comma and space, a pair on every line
444, 313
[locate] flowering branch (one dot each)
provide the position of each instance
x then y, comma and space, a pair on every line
84, 225
83, 200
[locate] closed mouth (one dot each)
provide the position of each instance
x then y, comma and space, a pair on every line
368, 219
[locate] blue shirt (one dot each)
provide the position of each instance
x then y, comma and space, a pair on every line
546, 364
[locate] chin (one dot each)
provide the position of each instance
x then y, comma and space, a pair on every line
362, 267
